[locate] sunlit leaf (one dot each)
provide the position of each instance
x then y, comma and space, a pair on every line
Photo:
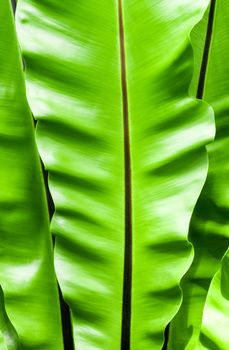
124, 145
26, 267
8, 336
209, 229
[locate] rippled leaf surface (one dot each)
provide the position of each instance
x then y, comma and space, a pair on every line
115, 200
210, 222
214, 328
26, 268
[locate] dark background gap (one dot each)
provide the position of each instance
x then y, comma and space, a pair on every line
65, 311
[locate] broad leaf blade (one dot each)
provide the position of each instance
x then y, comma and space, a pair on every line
26, 267
169, 160
76, 91
80, 137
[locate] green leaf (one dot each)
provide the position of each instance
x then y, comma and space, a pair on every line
216, 309
214, 328
210, 223
124, 145
26, 261
8, 336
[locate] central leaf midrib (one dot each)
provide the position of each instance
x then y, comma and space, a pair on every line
206, 51
127, 278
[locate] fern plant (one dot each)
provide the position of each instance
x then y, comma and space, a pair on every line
108, 117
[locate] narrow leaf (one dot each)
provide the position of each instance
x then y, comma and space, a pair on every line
209, 229
26, 262
8, 336
214, 328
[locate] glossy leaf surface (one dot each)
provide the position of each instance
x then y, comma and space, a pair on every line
85, 89
26, 267
216, 310
8, 336
210, 223
214, 328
